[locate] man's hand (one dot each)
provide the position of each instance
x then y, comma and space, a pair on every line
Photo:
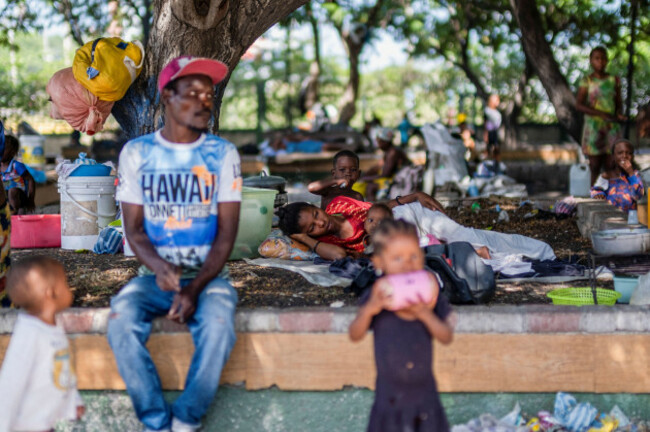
183, 307
168, 277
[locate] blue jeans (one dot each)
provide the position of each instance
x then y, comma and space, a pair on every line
213, 332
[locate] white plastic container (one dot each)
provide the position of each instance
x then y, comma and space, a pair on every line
255, 216
87, 206
31, 151
580, 180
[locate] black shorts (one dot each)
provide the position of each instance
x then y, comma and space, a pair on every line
493, 139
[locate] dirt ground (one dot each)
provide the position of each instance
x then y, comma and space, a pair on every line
95, 278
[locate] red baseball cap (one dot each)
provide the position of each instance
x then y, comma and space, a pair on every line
188, 65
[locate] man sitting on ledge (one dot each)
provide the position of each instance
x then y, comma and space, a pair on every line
180, 190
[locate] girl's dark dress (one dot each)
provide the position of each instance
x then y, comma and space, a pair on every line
406, 395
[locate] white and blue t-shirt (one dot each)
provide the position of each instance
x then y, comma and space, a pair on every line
179, 186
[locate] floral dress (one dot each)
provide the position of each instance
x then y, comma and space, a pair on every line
622, 192
598, 135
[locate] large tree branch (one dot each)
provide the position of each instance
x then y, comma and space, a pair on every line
539, 53
180, 28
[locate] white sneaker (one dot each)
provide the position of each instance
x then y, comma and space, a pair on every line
151, 430
180, 426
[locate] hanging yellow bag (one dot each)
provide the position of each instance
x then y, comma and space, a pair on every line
108, 66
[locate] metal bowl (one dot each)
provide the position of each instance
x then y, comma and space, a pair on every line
626, 241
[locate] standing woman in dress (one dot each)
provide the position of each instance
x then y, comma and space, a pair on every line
599, 98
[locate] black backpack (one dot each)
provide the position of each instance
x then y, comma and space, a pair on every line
466, 279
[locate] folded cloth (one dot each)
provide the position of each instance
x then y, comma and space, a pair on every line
576, 417
348, 267
109, 241
314, 273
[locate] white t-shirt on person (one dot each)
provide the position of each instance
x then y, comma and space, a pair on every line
38, 386
180, 185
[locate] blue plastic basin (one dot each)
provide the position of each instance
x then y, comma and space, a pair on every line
98, 170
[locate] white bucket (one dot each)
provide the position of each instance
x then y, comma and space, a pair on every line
87, 206
580, 180
31, 150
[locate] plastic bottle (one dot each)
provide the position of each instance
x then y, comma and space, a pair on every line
642, 210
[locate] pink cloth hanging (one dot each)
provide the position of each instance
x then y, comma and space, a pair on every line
76, 105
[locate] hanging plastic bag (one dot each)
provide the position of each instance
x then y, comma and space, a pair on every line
108, 66
76, 105
641, 294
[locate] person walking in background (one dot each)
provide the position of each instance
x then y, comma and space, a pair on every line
492, 122
180, 191
599, 98
406, 394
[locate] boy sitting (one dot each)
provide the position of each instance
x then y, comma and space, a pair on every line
380, 177
344, 174
37, 382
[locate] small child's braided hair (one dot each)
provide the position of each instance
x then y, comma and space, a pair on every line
389, 228
289, 215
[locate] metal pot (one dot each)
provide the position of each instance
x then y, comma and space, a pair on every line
265, 181
626, 241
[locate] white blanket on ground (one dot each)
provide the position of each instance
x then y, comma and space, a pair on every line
318, 274
506, 250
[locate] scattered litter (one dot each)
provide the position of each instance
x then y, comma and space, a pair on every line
531, 214
337, 304
618, 414
476, 207
568, 415
503, 216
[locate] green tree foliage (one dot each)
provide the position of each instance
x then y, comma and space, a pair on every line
482, 39
22, 82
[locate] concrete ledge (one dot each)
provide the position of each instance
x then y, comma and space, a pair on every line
541, 348
595, 215
502, 319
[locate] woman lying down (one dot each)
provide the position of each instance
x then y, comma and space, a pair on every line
342, 229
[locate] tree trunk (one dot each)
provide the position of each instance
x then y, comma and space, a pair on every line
513, 109
538, 52
310, 87
218, 29
347, 104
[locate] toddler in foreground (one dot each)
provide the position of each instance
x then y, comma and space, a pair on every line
37, 383
406, 394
